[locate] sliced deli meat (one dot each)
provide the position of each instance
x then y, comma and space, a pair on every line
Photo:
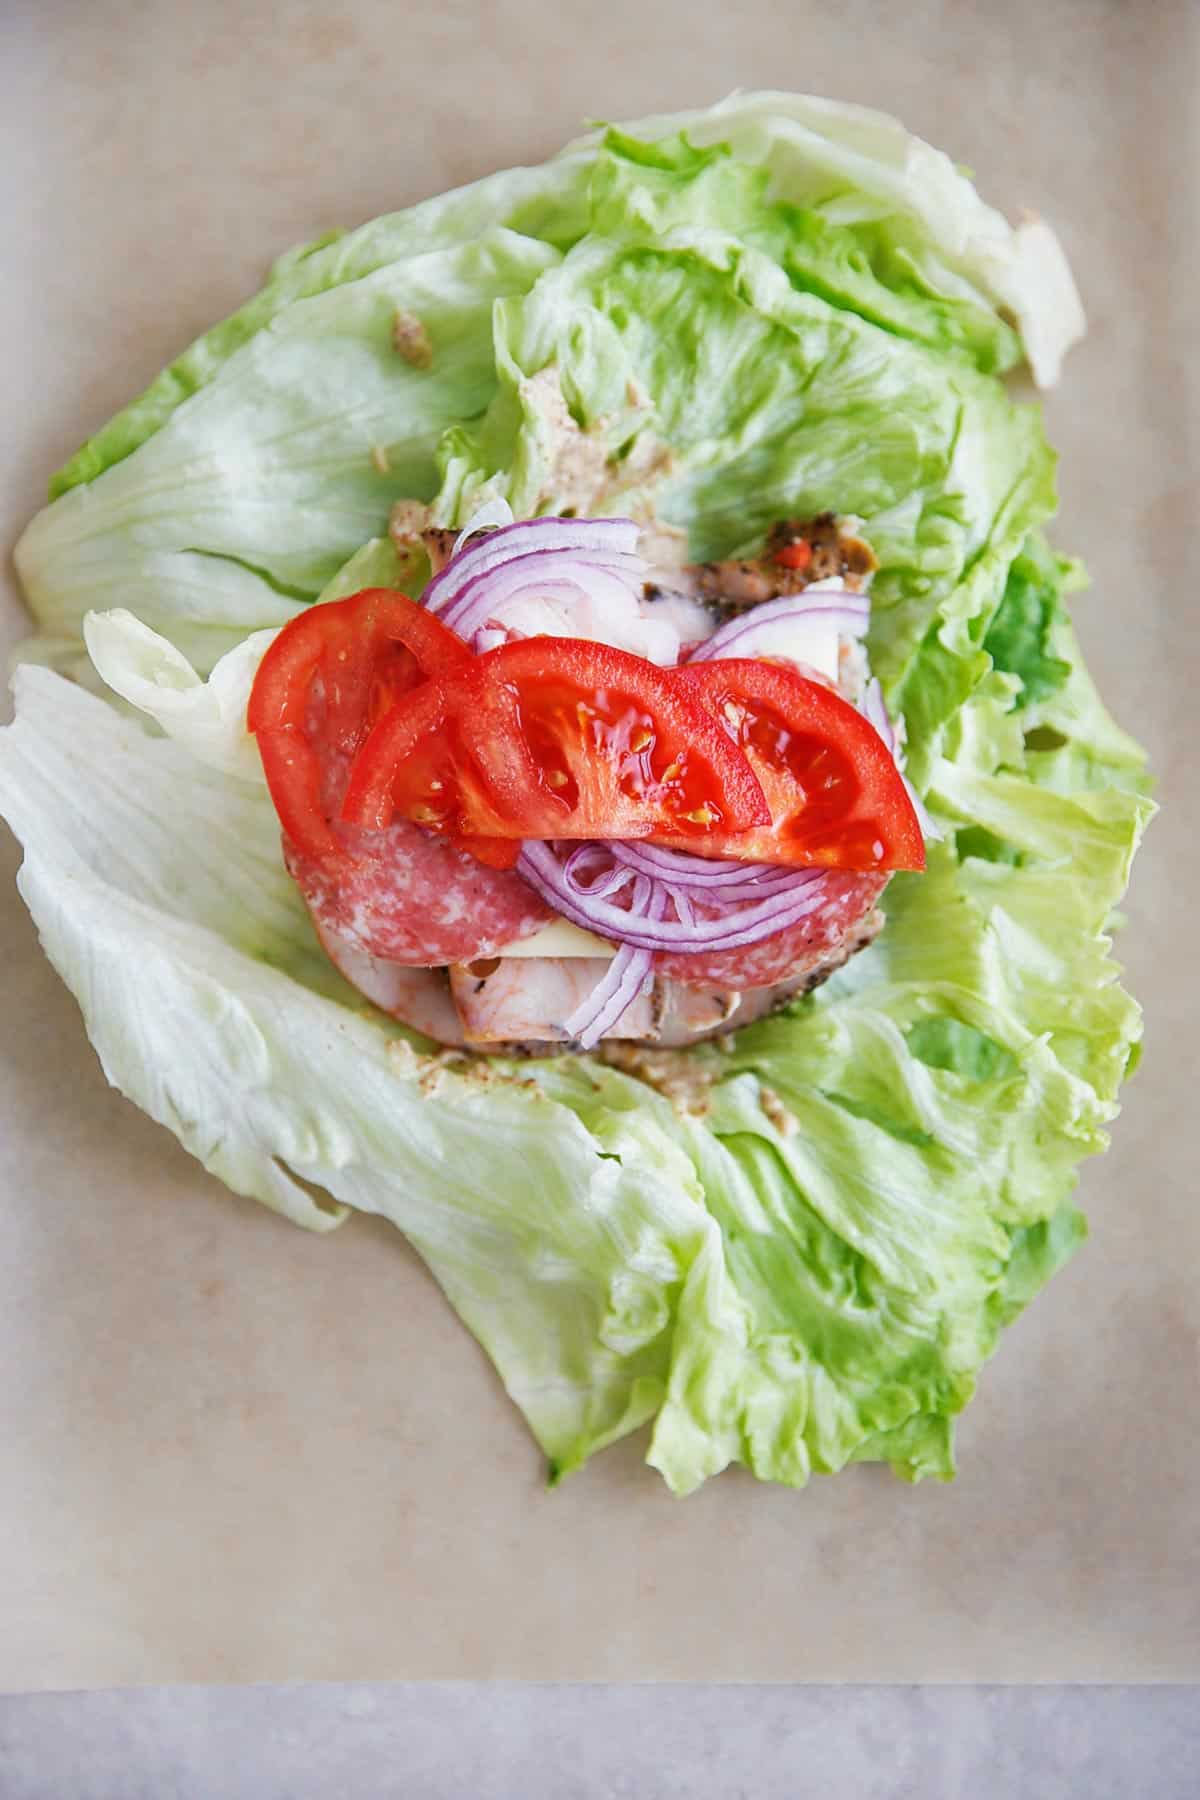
529, 1000
841, 921
412, 898
417, 997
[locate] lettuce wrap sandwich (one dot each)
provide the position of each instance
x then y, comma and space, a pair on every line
558, 724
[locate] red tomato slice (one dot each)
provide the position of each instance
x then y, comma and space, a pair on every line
415, 763
556, 738
493, 853
836, 797
325, 681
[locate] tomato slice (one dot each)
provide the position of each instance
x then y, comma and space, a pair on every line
836, 796
556, 738
325, 681
492, 852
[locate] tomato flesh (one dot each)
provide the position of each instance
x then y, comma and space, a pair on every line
556, 738
422, 747
492, 852
324, 683
835, 794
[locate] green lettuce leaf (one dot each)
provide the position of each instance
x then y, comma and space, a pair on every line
824, 1250
853, 165
149, 673
914, 225
160, 898
546, 203
1019, 637
229, 493
250, 496
797, 1250
766, 394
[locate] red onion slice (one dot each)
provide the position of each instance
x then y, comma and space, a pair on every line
609, 879
685, 912
850, 613
609, 583
701, 872
552, 577
582, 536
874, 708
750, 916
627, 976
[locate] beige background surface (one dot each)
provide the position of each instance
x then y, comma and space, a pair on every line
229, 1451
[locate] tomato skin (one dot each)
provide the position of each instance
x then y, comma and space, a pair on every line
348, 660
294, 780
338, 632
554, 738
836, 796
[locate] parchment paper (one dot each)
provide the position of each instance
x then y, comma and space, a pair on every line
230, 1451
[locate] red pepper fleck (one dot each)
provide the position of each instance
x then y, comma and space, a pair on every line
795, 556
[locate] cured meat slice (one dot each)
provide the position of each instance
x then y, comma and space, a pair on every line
417, 997
847, 899
416, 899
525, 999
518, 1003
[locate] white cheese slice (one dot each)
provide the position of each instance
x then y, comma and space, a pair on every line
560, 938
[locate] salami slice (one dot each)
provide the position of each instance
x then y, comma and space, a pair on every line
846, 899
407, 896
416, 899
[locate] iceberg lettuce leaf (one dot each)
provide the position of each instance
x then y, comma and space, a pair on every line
160, 897
229, 493
795, 1251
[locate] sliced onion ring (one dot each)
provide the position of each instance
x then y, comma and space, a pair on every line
627, 976
702, 872
545, 575
582, 882
746, 920
581, 536
623, 982
850, 612
611, 878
